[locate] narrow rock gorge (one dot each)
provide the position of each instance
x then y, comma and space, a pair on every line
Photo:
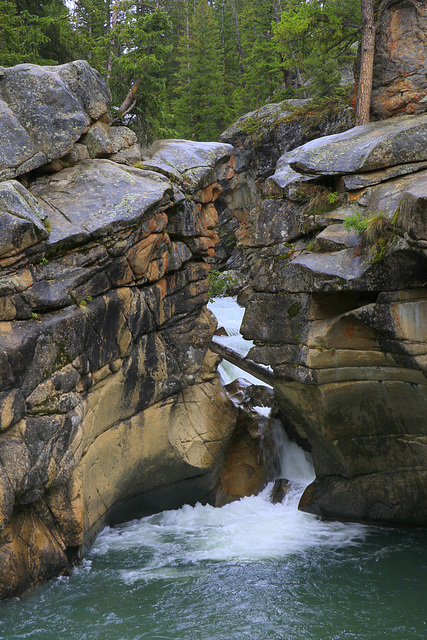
111, 406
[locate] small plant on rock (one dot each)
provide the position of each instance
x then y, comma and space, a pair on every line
333, 197
356, 222
320, 199
378, 226
85, 301
377, 231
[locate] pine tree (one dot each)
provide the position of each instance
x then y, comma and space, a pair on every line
262, 60
126, 41
35, 32
200, 106
315, 38
229, 24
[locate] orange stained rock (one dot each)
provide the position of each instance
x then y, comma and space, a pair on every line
210, 193
354, 196
141, 253
157, 268
209, 216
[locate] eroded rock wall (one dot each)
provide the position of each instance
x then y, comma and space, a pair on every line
399, 83
110, 405
340, 315
259, 139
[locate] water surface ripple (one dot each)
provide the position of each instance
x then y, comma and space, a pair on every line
248, 570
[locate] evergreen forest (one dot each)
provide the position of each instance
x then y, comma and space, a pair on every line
189, 68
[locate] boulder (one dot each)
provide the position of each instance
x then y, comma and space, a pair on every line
64, 101
367, 147
356, 181
114, 198
193, 163
412, 214
247, 465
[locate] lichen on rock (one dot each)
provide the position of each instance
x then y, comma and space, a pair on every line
110, 404
335, 247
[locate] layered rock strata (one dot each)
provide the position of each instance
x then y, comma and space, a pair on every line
110, 405
259, 139
338, 255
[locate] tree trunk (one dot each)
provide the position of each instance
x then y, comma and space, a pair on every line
129, 103
257, 370
111, 23
367, 49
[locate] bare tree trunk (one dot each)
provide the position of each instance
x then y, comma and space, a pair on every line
367, 49
249, 366
130, 101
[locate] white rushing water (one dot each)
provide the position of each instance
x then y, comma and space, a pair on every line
251, 529
230, 315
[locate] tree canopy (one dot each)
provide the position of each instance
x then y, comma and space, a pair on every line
188, 68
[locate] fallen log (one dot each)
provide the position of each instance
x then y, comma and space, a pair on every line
257, 370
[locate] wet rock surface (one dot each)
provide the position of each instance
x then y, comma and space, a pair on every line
110, 404
336, 250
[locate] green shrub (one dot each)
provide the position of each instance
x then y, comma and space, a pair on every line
377, 232
219, 283
356, 222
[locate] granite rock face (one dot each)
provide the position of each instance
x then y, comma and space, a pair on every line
340, 314
64, 101
260, 139
110, 404
399, 83
365, 148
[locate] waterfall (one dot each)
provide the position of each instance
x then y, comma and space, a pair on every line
282, 457
230, 315
285, 458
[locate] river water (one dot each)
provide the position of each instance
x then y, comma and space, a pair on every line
250, 570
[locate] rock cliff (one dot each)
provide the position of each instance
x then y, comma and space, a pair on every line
259, 139
399, 84
337, 251
110, 405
